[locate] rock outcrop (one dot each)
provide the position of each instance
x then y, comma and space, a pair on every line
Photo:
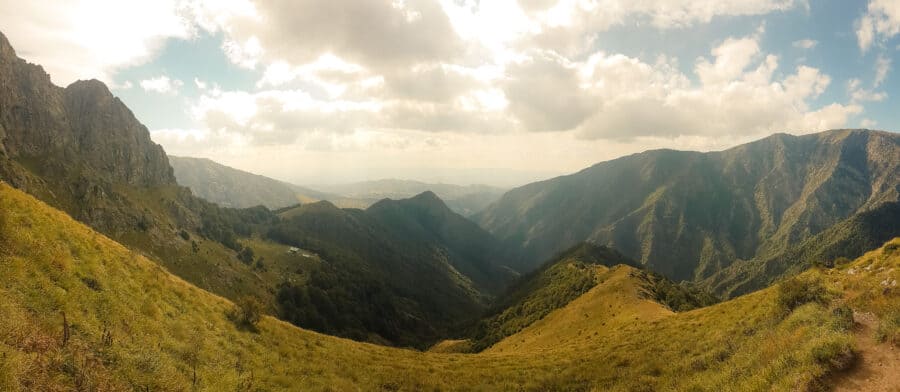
82, 123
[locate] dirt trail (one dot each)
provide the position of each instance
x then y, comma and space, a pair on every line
878, 366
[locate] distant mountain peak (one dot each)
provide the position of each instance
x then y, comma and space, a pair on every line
426, 201
428, 196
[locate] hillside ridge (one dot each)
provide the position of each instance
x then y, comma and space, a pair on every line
691, 215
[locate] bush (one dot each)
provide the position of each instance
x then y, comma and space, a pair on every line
800, 290
841, 261
843, 318
891, 248
836, 354
247, 312
246, 255
889, 328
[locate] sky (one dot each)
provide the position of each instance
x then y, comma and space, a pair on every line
465, 91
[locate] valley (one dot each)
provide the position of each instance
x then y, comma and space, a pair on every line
136, 326
770, 265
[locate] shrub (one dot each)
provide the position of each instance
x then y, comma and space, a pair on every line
889, 328
840, 261
247, 312
843, 318
891, 248
144, 223
246, 255
800, 290
836, 354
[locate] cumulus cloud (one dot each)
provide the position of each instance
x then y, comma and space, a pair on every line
860, 94
735, 96
882, 67
544, 94
91, 39
162, 85
278, 116
375, 33
880, 22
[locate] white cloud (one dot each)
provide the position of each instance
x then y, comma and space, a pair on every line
737, 95
245, 54
881, 22
805, 44
731, 58
860, 94
374, 33
544, 94
90, 39
868, 123
882, 67
162, 85
279, 116
604, 97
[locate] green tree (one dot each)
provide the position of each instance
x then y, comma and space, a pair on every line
247, 312
246, 255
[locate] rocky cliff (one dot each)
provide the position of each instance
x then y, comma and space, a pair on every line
52, 128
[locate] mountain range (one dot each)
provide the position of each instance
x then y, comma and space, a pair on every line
464, 199
116, 276
708, 216
231, 187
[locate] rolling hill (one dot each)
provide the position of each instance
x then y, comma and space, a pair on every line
230, 187
87, 313
693, 215
566, 277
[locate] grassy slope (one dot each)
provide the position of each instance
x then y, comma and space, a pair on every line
739, 345
544, 290
212, 266
158, 323
871, 283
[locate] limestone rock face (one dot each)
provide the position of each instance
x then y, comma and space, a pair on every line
82, 123
111, 138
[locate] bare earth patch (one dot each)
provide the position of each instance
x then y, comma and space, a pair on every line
878, 366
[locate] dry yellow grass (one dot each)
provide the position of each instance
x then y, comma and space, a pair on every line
134, 326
